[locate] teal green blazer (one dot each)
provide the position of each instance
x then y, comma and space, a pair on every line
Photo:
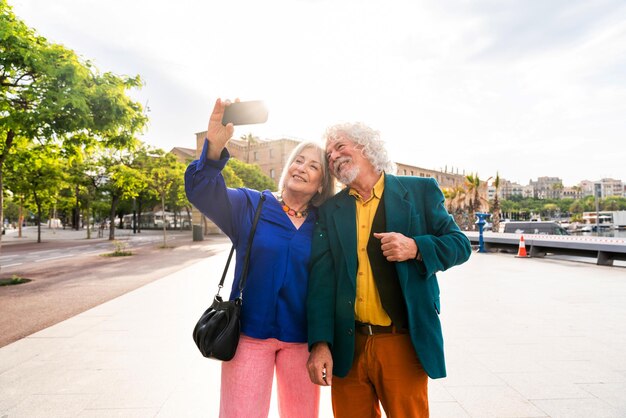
414, 207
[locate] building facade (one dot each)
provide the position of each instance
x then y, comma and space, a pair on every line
604, 188
184, 155
547, 187
446, 180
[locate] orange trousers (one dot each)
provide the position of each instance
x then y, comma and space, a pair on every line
385, 369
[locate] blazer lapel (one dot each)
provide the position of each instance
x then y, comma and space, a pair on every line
398, 209
398, 216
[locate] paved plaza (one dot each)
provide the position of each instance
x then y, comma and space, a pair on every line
524, 338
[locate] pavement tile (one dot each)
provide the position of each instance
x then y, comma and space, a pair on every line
544, 385
119, 413
447, 409
494, 401
49, 406
612, 393
579, 408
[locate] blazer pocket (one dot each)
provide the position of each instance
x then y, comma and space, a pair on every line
437, 306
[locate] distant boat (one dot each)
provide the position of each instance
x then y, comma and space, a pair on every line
594, 228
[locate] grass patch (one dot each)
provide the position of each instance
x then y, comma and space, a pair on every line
120, 250
117, 254
13, 280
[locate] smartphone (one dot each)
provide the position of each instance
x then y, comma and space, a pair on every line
245, 113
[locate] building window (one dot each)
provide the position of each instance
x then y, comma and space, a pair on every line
271, 153
256, 156
272, 173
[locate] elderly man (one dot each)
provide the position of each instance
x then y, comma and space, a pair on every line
373, 298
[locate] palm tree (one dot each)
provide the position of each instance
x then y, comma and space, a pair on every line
477, 190
250, 139
495, 208
457, 204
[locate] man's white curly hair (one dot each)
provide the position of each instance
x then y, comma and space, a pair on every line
373, 148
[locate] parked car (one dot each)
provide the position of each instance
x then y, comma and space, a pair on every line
533, 227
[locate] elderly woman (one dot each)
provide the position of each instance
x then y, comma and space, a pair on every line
273, 318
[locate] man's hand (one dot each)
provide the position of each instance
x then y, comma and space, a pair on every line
320, 364
397, 247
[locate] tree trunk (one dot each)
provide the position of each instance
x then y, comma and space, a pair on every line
38, 205
114, 201
88, 225
20, 217
139, 208
1, 209
163, 212
76, 211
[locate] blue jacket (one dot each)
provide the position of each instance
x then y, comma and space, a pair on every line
275, 293
414, 207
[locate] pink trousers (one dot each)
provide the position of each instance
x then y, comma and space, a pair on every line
247, 380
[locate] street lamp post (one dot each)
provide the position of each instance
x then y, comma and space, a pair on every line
598, 195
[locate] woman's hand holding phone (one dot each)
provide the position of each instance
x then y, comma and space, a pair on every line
218, 134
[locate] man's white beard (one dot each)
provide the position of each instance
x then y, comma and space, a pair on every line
348, 176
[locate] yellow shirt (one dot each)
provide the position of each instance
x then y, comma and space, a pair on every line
367, 307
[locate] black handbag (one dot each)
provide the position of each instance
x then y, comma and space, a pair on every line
217, 332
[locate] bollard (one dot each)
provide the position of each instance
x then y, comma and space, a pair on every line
197, 233
481, 224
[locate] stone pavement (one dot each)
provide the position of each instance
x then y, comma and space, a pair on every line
524, 338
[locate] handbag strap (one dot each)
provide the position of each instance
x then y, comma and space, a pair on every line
244, 273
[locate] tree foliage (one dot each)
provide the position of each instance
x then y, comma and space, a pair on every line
51, 97
251, 175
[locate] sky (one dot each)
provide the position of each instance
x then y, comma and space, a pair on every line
519, 88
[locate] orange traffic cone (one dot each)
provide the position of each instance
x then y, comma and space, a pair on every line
521, 252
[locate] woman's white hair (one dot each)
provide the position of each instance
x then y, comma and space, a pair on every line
373, 148
328, 188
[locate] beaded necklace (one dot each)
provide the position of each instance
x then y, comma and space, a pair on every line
292, 212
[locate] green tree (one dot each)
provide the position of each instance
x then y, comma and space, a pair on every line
611, 204
39, 175
457, 202
177, 197
251, 175
122, 181
476, 190
549, 210
41, 87
49, 95
577, 208
163, 173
